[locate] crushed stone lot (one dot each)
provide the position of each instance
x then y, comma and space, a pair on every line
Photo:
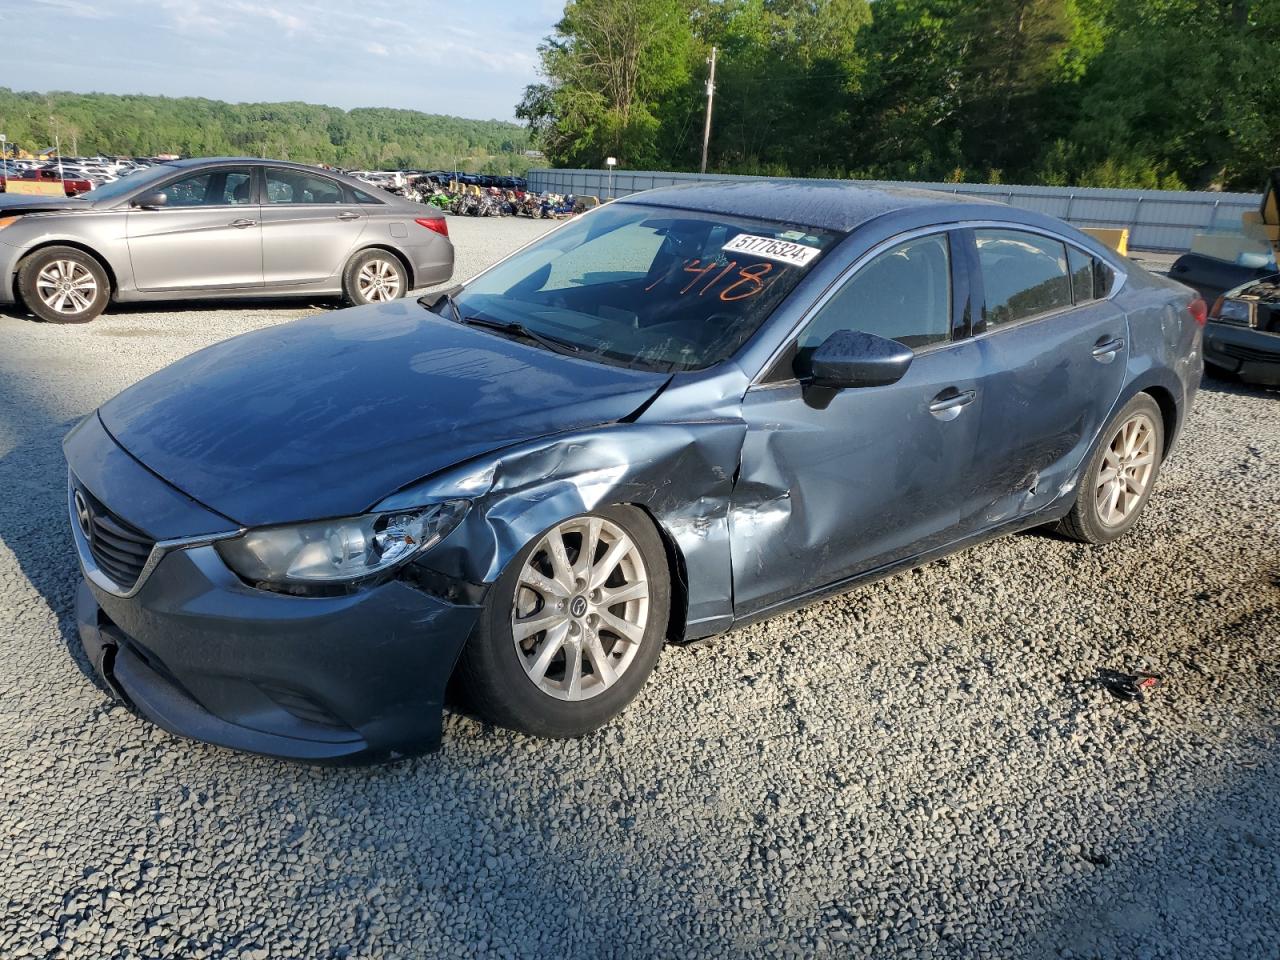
926, 767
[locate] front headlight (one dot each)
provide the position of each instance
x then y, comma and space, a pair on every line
1234, 311
337, 551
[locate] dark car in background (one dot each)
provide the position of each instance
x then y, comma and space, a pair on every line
1243, 335
682, 412
200, 228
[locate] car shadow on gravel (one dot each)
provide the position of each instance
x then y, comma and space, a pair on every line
34, 522
178, 307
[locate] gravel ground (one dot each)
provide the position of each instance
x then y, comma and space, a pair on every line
926, 767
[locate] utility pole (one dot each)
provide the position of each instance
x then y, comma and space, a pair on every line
711, 92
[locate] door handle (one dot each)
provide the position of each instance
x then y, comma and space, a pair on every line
950, 402
242, 223
348, 215
1104, 351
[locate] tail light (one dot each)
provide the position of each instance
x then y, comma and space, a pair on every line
1197, 308
439, 226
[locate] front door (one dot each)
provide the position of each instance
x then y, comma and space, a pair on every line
308, 228
834, 484
206, 236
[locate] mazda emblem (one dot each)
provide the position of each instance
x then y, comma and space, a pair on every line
84, 516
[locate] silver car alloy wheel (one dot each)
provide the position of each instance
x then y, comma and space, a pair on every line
378, 281
580, 609
1127, 468
67, 287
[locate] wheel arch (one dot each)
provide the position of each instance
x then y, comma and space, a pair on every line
1168, 414
385, 248
677, 575
84, 248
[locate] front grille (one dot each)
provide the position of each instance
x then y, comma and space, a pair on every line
119, 550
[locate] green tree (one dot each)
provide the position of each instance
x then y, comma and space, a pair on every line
607, 66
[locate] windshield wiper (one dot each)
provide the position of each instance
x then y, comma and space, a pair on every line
519, 330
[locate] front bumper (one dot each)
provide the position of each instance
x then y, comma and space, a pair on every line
198, 652
1252, 354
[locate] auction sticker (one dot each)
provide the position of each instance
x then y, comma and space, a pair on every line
781, 250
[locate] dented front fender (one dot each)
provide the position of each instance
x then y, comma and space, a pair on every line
680, 473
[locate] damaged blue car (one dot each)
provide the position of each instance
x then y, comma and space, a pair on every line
684, 411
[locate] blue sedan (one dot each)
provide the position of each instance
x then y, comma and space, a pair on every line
675, 415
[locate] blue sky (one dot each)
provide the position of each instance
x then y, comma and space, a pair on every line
470, 59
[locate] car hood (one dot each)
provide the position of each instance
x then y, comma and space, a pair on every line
11, 203
327, 416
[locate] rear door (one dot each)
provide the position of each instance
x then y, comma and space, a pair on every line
309, 228
206, 236
1054, 356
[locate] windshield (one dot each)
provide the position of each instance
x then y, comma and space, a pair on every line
649, 287
128, 184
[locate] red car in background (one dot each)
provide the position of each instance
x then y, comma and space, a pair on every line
71, 187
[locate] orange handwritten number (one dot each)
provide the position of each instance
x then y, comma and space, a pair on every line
698, 274
752, 278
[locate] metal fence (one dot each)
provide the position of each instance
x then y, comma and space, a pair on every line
1157, 219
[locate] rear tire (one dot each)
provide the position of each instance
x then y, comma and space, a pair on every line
564, 614
1121, 474
63, 285
375, 276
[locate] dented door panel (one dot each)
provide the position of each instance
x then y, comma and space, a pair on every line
837, 483
1049, 390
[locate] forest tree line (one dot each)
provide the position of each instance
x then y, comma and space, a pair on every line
1116, 93
365, 138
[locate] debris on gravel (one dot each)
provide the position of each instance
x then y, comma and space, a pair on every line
926, 767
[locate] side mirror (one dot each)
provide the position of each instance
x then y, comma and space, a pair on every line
151, 201
851, 358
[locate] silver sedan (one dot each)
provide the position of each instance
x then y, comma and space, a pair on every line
217, 228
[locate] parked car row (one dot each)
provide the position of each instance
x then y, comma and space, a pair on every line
216, 227
78, 174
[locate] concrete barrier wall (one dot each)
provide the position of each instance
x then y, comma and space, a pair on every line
1156, 219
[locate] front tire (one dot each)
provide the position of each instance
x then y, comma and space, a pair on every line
1120, 476
375, 276
573, 627
63, 285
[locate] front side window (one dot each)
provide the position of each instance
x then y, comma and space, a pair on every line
293, 186
903, 294
651, 287
1023, 274
189, 191
227, 186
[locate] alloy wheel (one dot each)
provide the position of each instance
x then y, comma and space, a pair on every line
1127, 468
580, 609
66, 286
378, 281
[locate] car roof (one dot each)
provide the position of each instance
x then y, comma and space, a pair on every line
256, 161
827, 205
